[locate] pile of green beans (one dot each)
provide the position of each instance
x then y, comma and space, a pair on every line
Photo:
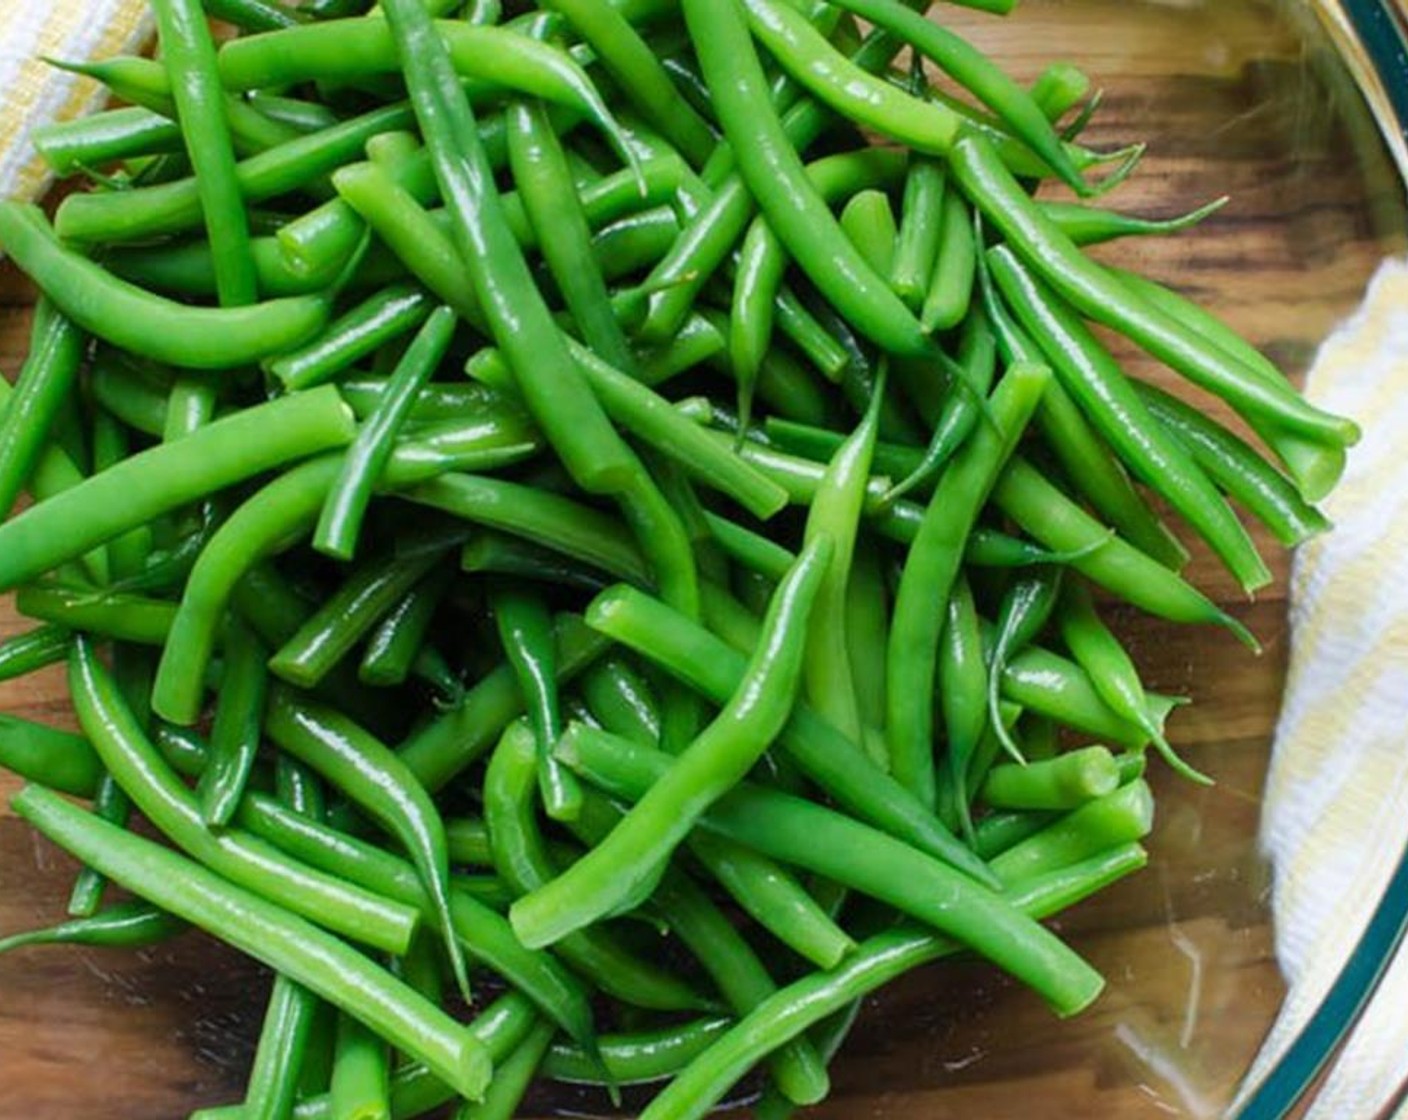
531, 500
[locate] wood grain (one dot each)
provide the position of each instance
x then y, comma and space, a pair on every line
1234, 97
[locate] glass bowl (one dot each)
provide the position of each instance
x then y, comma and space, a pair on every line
1245, 97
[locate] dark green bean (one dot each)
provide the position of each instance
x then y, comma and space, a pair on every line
45, 382
340, 522
370, 590
48, 756
239, 714
127, 925
525, 631
447, 745
1026, 608
397, 647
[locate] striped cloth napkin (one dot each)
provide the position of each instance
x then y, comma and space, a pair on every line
1336, 813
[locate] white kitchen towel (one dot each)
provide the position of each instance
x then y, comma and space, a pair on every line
1335, 820
34, 93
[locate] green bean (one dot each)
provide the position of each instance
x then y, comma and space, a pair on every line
303, 116
1084, 456
239, 713
542, 517
447, 745
372, 589
278, 938
1092, 291
769, 164
557, 396
397, 646
885, 957
117, 134
838, 847
1123, 817
45, 381
173, 207
521, 857
415, 1090
635, 242
128, 755
1046, 515
294, 1014
361, 1073
559, 220
970, 68
525, 631
930, 570
634, 1059
1315, 464
961, 410
128, 618
757, 553
868, 220
1112, 672
1064, 782
469, 842
828, 682
1060, 88
254, 15
1090, 374
1052, 686
127, 925
339, 523
950, 291
189, 55
1238, 469
691, 653
32, 650
189, 269
381, 318
378, 782
810, 60
622, 701
512, 1078
720, 949
500, 554
1086, 225
920, 233
118, 312
1026, 608
48, 756
725, 751
761, 267
493, 58
962, 686
485, 934
656, 422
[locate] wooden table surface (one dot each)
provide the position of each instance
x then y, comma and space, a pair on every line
1232, 97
